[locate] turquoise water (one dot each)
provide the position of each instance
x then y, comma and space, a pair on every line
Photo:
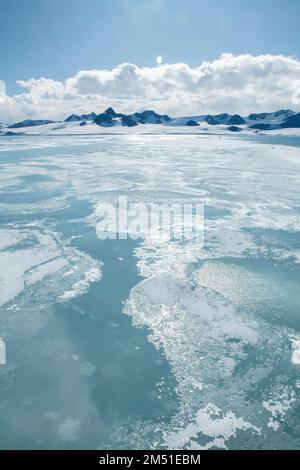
144, 344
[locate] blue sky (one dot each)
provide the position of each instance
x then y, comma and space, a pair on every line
63, 56
56, 38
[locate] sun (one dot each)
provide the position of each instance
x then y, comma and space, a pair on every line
159, 59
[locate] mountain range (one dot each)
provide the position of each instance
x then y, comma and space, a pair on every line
284, 118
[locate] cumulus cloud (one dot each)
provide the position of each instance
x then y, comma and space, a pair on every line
2, 88
235, 84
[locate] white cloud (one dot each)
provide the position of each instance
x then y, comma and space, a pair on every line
43, 88
2, 88
235, 84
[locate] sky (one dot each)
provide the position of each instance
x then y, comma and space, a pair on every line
58, 40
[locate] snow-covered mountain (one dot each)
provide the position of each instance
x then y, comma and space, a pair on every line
254, 122
284, 118
30, 123
277, 120
110, 118
82, 117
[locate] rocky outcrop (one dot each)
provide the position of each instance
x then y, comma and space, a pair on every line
192, 123
74, 118
30, 123
211, 120
236, 120
104, 119
128, 121
291, 122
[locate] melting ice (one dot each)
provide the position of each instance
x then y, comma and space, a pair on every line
126, 344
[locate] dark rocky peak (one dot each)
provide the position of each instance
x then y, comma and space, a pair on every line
211, 120
74, 118
236, 119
